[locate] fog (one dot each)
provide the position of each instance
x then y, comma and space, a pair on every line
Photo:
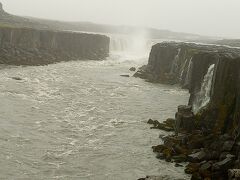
205, 17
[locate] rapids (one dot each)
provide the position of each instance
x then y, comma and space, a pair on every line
82, 120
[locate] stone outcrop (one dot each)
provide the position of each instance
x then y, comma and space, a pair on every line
209, 136
25, 46
186, 64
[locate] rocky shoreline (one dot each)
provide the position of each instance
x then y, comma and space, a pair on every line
207, 129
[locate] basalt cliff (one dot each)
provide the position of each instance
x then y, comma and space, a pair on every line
207, 130
26, 46
24, 42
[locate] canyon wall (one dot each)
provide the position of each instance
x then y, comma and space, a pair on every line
210, 73
25, 46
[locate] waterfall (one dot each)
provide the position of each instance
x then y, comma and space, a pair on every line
203, 97
183, 69
130, 47
187, 78
174, 66
119, 44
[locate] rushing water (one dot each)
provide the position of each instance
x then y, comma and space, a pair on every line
82, 120
203, 97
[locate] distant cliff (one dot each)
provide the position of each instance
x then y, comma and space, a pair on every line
26, 46
210, 73
8, 19
229, 42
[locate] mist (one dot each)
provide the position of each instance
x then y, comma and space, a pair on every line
212, 17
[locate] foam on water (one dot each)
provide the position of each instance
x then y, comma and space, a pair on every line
82, 120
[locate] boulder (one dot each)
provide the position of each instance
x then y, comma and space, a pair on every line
184, 119
228, 145
17, 78
125, 75
132, 69
192, 168
223, 165
197, 157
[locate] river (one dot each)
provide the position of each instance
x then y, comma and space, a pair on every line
82, 120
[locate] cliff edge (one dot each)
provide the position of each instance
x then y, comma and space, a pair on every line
26, 46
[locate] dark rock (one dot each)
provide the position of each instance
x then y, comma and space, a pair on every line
132, 69
125, 75
223, 165
197, 157
184, 109
27, 46
158, 148
206, 166
178, 165
192, 168
179, 158
17, 78
160, 156
184, 119
228, 145
152, 178
196, 176
150, 121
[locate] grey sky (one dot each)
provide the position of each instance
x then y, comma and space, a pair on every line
206, 17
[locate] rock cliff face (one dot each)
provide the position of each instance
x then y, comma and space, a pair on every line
210, 73
25, 46
209, 138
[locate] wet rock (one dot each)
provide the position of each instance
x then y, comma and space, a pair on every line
234, 174
17, 78
205, 169
152, 178
223, 165
125, 75
184, 119
160, 156
196, 176
170, 122
132, 69
192, 168
197, 157
178, 165
166, 125
155, 123
150, 121
184, 109
179, 158
228, 145
158, 148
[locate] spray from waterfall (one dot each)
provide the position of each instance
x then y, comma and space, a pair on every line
132, 47
203, 97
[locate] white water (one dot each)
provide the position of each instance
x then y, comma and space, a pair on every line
133, 48
82, 120
183, 69
174, 66
204, 95
188, 74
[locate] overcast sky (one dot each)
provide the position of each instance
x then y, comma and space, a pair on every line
206, 17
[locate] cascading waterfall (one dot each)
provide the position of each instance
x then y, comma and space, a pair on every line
183, 69
174, 66
119, 44
187, 78
203, 96
130, 47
